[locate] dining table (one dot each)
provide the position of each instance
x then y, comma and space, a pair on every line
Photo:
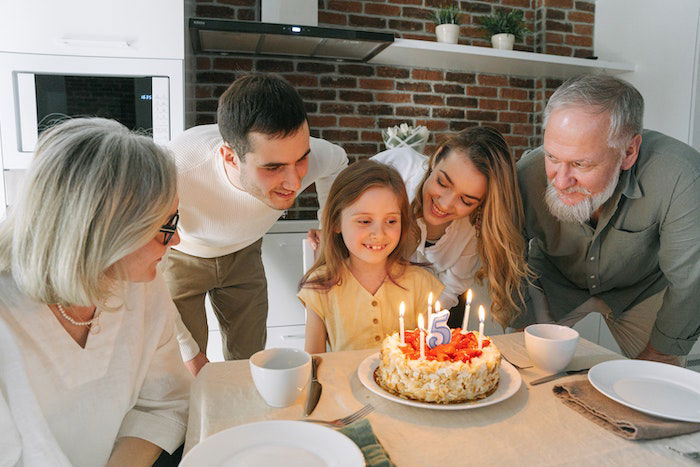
531, 427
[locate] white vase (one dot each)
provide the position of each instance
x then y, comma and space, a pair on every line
448, 33
503, 41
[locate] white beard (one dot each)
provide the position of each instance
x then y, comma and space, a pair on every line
582, 211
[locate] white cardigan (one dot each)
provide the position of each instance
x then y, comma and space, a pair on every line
454, 259
61, 404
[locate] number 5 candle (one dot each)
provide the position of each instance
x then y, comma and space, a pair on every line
438, 331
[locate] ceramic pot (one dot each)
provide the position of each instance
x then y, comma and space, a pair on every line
448, 33
503, 41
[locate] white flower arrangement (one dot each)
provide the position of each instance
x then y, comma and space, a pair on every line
406, 135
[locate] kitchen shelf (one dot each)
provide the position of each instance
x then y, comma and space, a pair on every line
467, 58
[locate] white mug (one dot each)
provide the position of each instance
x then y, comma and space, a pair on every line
280, 375
550, 346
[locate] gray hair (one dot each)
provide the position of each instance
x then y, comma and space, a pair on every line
94, 193
618, 98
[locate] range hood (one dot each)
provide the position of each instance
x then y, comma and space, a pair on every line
285, 40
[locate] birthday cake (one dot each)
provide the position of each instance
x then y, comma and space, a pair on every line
454, 372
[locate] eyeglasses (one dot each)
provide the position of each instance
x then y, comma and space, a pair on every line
170, 228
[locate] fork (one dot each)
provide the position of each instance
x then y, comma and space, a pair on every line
515, 365
695, 456
341, 422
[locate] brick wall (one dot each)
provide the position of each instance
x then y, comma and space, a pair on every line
564, 27
349, 103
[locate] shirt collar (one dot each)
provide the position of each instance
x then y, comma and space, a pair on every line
630, 184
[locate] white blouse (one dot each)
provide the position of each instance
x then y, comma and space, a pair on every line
454, 258
63, 404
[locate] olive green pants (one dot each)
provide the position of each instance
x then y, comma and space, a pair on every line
237, 289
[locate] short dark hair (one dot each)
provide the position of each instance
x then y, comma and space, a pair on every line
264, 103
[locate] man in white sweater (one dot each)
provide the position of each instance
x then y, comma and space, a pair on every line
235, 180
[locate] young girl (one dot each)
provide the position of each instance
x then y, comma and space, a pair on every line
467, 204
353, 291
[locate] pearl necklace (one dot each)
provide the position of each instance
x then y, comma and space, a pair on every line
94, 323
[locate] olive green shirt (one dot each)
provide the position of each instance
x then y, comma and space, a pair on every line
647, 238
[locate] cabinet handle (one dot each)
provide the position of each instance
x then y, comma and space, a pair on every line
111, 43
292, 336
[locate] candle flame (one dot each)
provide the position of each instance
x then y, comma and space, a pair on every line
402, 309
469, 297
430, 298
482, 313
421, 322
437, 306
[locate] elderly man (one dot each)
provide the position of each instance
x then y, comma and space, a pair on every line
235, 180
613, 219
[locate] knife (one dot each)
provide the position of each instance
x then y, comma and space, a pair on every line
314, 388
561, 374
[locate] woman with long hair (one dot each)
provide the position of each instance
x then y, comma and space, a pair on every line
90, 371
467, 204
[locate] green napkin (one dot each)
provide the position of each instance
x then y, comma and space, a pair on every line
361, 434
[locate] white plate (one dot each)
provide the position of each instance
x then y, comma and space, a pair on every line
288, 443
508, 385
659, 389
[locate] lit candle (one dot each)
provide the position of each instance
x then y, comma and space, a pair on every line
431, 316
482, 316
422, 335
402, 310
430, 305
467, 310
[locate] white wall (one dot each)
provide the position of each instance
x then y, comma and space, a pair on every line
660, 37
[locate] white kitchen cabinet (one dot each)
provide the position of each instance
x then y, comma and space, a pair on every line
125, 28
282, 258
285, 336
282, 254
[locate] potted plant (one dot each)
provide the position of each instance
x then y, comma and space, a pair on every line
446, 21
504, 27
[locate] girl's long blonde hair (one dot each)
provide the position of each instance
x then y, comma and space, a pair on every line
348, 186
500, 243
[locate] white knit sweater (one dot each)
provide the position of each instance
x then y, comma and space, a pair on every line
217, 218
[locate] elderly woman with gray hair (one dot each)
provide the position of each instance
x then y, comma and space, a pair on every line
90, 372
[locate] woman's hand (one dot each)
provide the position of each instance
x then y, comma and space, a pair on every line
196, 363
314, 237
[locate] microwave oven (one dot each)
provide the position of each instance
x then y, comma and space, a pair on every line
146, 95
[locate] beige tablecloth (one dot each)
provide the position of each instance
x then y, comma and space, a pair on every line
531, 428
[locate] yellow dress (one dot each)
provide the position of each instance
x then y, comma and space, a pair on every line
355, 319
